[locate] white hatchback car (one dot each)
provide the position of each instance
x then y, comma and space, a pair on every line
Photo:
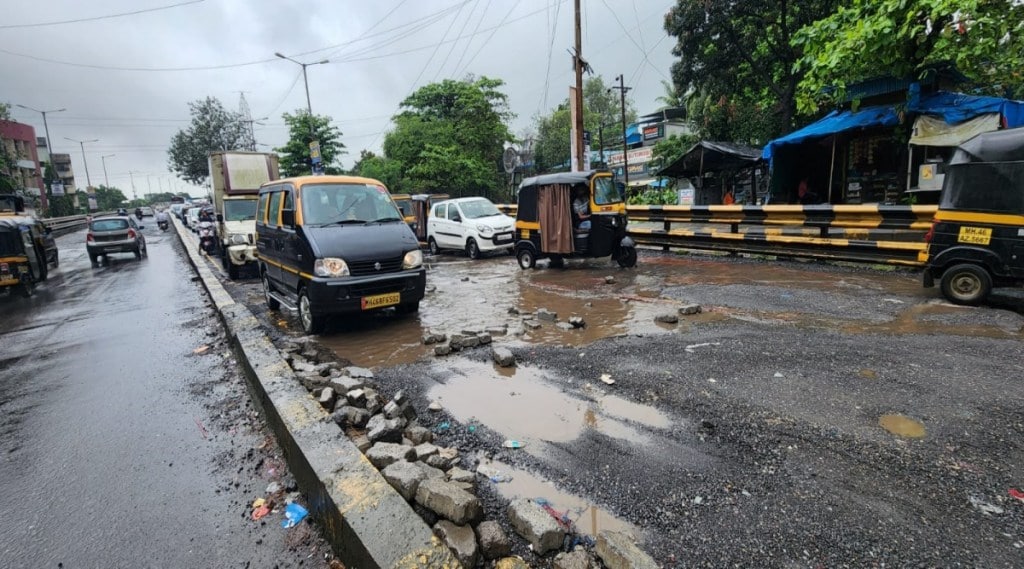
473, 225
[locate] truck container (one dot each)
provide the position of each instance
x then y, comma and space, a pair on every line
236, 178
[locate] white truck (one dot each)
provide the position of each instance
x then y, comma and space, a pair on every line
236, 178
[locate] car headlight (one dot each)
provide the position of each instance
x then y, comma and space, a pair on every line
484, 229
238, 239
330, 267
413, 259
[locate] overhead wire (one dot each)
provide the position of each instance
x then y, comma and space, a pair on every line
96, 18
286, 93
440, 69
494, 30
553, 23
469, 43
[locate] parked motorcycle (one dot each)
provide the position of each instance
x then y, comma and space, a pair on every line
208, 237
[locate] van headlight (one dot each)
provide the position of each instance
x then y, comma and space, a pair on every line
330, 267
238, 239
413, 259
484, 229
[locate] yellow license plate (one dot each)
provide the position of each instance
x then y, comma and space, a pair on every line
975, 235
381, 300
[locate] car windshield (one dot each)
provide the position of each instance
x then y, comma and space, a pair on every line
347, 203
239, 210
605, 191
109, 225
479, 208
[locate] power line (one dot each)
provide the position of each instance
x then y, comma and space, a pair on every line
458, 64
113, 68
95, 18
455, 43
488, 40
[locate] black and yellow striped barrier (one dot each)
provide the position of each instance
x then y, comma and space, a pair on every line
863, 233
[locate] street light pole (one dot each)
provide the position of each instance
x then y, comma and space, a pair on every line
49, 149
103, 159
309, 105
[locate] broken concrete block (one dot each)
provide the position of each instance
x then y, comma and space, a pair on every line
531, 324
565, 326
497, 330
690, 309
344, 384
419, 435
327, 398
484, 339
460, 539
359, 372
461, 475
405, 477
356, 397
504, 357
349, 416
424, 450
432, 338
666, 318
546, 315
442, 350
577, 322
609, 280
449, 501
493, 541
362, 443
535, 525
618, 551
381, 429
383, 455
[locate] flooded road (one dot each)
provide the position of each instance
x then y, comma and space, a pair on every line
119, 445
794, 419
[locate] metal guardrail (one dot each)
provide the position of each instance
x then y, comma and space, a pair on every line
61, 225
862, 233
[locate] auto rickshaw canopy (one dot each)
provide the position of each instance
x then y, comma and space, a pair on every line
527, 193
986, 174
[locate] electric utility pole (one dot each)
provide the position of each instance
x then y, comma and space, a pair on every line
578, 63
625, 147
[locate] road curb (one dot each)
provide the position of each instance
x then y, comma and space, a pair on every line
366, 521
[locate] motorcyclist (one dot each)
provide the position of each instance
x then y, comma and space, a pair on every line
162, 219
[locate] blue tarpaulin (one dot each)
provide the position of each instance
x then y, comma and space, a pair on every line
633, 134
954, 108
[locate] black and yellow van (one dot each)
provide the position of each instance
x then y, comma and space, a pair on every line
977, 238
330, 245
547, 227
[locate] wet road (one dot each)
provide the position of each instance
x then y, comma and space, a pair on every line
119, 446
812, 415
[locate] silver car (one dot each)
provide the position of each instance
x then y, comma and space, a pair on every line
115, 234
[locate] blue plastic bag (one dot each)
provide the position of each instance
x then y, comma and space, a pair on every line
293, 514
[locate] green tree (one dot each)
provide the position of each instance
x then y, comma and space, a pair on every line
739, 57
600, 107
58, 206
212, 128
109, 198
379, 168
303, 128
8, 160
449, 137
671, 97
904, 38
667, 150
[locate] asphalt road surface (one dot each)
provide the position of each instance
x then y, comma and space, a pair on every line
812, 415
119, 445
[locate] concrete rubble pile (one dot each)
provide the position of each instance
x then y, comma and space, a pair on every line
435, 479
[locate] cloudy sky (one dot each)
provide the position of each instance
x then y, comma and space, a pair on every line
127, 80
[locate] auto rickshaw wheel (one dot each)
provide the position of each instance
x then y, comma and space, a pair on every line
966, 284
627, 258
526, 258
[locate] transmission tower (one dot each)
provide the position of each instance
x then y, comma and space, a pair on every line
245, 116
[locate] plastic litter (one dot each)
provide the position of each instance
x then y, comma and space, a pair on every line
258, 502
513, 444
260, 512
293, 514
442, 426
607, 379
201, 350
985, 507
492, 474
1017, 494
274, 488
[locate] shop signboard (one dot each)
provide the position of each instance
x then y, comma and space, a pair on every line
635, 157
653, 132
686, 196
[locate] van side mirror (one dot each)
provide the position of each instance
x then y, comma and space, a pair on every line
288, 217
220, 218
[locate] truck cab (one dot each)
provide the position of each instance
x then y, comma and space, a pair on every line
236, 178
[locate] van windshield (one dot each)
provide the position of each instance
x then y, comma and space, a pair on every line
347, 203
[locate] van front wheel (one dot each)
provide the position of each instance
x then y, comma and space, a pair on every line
966, 284
311, 324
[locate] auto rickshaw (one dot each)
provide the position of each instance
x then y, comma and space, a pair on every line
21, 264
547, 227
404, 203
976, 241
420, 206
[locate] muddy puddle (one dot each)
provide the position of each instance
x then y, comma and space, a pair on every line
528, 406
902, 426
587, 518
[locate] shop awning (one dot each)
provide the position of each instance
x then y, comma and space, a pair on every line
707, 156
834, 123
934, 131
953, 108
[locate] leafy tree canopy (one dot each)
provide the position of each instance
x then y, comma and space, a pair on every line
667, 150
379, 168
303, 128
109, 198
460, 123
600, 107
739, 59
8, 184
212, 128
902, 38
